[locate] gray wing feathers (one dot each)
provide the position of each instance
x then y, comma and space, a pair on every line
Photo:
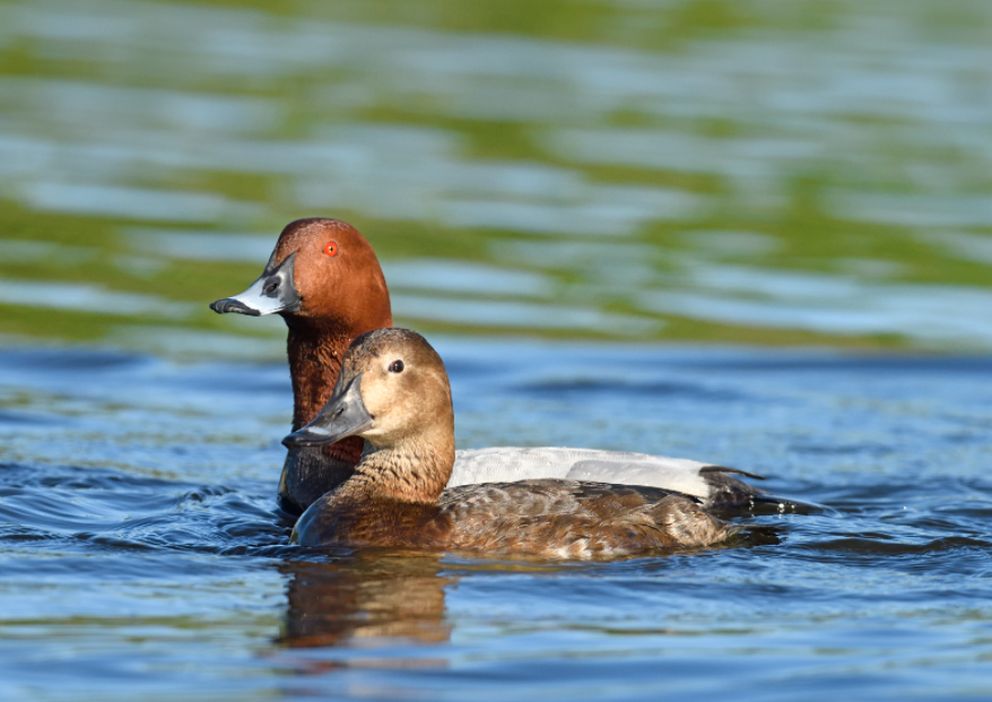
715, 485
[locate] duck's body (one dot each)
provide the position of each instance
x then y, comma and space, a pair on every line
324, 279
394, 393
309, 472
551, 519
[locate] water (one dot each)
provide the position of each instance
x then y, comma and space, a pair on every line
558, 192
142, 555
705, 170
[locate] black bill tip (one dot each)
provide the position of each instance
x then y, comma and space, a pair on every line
229, 304
303, 438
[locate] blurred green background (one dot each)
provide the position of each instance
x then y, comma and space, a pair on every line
741, 171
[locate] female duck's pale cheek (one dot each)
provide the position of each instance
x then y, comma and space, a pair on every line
376, 438
381, 432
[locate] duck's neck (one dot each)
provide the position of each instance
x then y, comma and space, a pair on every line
414, 471
315, 352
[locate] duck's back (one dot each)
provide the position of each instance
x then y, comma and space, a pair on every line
575, 519
716, 486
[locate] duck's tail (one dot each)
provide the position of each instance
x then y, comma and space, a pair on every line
731, 496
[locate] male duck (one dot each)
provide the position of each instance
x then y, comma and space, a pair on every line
325, 281
393, 392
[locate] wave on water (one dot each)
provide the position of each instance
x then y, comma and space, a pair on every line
66, 509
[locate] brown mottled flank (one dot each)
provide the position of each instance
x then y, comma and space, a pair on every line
396, 497
341, 297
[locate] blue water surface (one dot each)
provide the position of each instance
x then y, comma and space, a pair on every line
142, 555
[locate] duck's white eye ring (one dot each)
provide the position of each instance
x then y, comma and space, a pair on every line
396, 366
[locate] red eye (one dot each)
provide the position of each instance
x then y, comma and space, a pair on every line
331, 248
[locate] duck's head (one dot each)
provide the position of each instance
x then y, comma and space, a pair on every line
392, 388
321, 270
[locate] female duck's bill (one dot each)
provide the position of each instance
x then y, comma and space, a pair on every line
394, 393
343, 416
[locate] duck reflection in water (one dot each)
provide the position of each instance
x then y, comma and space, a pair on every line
370, 597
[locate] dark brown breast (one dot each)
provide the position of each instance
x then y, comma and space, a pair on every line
374, 522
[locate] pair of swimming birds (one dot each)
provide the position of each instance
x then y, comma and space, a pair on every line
372, 460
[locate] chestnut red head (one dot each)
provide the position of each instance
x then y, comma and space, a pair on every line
321, 270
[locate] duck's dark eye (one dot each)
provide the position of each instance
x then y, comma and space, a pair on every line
396, 366
271, 287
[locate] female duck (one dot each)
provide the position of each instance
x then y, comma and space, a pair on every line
324, 279
393, 392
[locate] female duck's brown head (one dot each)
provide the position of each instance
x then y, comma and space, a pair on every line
325, 281
322, 271
392, 391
